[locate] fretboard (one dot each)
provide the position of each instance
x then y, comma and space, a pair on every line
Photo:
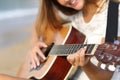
64, 50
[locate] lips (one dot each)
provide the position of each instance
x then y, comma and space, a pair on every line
73, 3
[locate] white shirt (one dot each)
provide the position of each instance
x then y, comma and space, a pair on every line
94, 30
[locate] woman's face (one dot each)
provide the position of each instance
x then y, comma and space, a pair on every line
75, 4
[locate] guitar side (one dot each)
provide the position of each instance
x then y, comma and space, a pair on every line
56, 67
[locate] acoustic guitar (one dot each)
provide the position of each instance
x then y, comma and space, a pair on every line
67, 41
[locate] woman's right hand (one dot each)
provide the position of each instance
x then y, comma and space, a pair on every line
36, 54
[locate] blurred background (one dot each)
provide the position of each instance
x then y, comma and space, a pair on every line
16, 20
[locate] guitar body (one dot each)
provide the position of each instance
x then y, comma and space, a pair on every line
56, 67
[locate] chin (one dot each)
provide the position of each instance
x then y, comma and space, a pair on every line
78, 8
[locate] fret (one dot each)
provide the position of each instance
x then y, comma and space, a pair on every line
70, 49
74, 47
90, 48
77, 47
66, 50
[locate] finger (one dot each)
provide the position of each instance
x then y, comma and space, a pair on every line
71, 59
77, 59
82, 56
40, 53
42, 44
33, 65
87, 58
36, 59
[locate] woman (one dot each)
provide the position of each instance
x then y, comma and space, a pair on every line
86, 16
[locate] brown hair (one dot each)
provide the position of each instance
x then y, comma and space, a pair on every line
46, 17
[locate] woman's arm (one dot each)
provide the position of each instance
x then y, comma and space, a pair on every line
95, 73
92, 71
7, 77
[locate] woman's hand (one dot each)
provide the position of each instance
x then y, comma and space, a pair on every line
36, 54
78, 58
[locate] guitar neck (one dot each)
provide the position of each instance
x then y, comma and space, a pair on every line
65, 50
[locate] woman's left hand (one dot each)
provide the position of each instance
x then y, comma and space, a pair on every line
78, 58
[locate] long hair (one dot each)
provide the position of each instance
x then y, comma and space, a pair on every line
47, 19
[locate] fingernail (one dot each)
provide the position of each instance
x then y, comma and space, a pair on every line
68, 57
38, 64
31, 67
44, 58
